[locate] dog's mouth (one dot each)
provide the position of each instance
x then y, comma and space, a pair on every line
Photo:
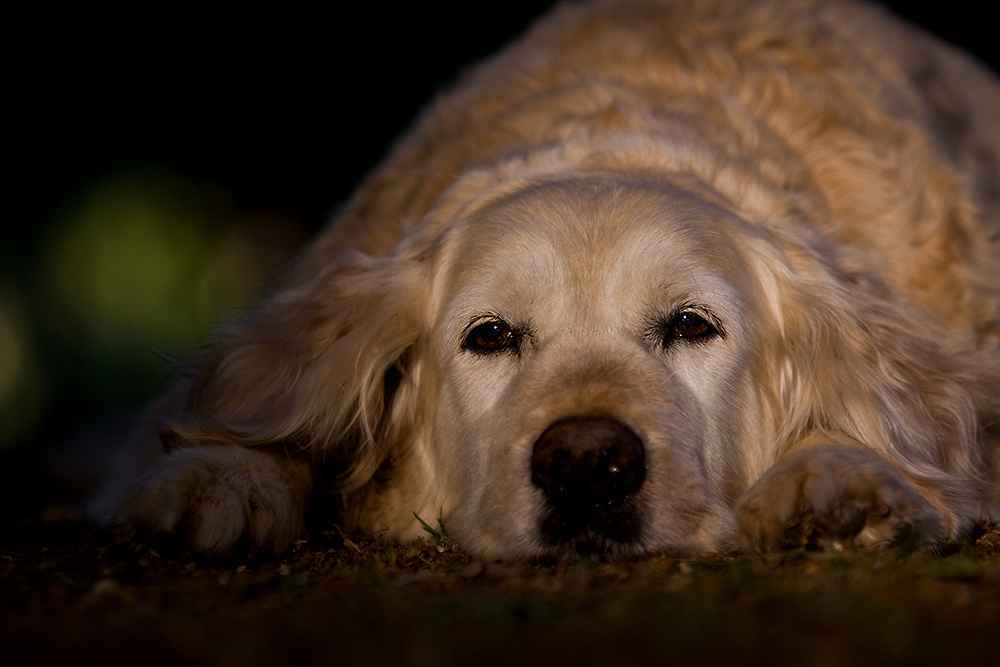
596, 531
590, 470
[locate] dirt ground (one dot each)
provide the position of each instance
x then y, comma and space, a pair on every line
73, 594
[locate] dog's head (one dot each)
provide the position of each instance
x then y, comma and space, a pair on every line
581, 362
591, 343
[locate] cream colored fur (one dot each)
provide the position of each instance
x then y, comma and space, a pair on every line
817, 179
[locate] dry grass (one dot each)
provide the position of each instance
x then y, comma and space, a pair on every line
74, 595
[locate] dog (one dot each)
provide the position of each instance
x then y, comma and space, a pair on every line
662, 277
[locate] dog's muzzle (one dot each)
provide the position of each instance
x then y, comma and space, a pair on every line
590, 469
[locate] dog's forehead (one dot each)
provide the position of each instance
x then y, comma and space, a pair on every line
597, 233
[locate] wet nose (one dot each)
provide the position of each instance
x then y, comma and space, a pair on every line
588, 462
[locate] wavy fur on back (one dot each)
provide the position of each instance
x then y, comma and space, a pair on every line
815, 182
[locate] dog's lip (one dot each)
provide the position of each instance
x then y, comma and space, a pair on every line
592, 544
605, 525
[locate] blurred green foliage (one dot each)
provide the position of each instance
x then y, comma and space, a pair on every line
134, 268
20, 385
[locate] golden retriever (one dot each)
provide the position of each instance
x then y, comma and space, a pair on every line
664, 276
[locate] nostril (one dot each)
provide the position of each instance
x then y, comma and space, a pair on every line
595, 461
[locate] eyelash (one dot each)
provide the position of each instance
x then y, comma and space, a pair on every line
687, 326
491, 336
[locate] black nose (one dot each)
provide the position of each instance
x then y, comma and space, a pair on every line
588, 463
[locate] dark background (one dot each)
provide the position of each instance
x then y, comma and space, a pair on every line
233, 136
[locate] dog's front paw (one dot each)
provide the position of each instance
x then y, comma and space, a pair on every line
829, 496
214, 497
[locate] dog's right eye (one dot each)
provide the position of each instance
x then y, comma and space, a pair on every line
490, 338
687, 325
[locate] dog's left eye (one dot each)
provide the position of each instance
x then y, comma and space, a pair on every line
490, 337
689, 325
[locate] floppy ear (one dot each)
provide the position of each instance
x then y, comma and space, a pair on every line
846, 360
314, 368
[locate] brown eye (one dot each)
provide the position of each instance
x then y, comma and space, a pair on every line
490, 337
689, 326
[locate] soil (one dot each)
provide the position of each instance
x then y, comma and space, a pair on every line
73, 594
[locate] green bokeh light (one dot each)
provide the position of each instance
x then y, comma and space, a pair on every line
138, 266
20, 382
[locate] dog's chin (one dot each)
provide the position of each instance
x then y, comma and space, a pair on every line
610, 535
590, 546
591, 523
593, 546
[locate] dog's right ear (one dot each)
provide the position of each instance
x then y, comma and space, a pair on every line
315, 367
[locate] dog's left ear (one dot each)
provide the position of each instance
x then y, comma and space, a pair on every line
318, 366
842, 357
